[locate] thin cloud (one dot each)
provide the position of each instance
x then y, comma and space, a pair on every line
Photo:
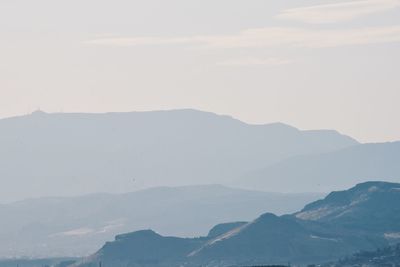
268, 37
138, 41
243, 62
338, 12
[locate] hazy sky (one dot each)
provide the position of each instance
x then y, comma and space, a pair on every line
312, 64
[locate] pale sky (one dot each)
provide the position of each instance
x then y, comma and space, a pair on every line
308, 63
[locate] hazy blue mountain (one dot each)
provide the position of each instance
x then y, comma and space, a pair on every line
69, 154
77, 226
330, 171
342, 228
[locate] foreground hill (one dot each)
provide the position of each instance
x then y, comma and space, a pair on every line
277, 240
70, 154
77, 226
270, 239
330, 171
352, 208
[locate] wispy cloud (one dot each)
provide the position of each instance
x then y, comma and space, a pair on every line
137, 41
338, 12
254, 62
268, 37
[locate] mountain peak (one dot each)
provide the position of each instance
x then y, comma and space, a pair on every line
373, 186
142, 234
223, 228
268, 217
351, 207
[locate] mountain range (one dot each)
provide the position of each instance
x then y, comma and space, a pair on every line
70, 154
77, 155
365, 217
78, 226
66, 154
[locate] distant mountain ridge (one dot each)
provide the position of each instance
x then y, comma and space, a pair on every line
73, 154
329, 171
272, 239
78, 226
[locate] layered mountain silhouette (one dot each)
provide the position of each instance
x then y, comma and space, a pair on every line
329, 171
78, 226
72, 154
339, 225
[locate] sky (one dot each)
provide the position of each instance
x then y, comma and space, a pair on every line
313, 64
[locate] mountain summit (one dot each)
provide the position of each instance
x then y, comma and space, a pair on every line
358, 208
